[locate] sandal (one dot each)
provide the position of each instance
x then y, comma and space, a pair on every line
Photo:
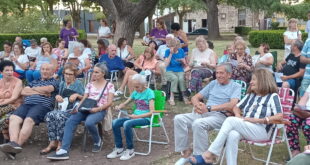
186, 101
171, 102
199, 160
47, 150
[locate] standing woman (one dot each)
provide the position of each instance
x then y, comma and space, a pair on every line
93, 91
20, 60
10, 98
73, 90
181, 35
104, 31
290, 35
125, 52
158, 34
68, 33
242, 69
45, 57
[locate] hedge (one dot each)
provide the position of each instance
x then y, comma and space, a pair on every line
273, 37
242, 30
51, 37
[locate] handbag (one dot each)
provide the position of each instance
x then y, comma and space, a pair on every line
88, 103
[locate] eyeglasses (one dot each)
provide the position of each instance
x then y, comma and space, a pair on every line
69, 74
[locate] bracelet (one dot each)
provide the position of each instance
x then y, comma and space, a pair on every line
267, 120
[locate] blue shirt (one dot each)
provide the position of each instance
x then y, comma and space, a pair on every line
174, 65
76, 86
115, 63
45, 101
306, 53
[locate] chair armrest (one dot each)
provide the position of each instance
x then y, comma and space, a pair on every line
159, 111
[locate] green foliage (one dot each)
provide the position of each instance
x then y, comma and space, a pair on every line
242, 30
51, 37
99, 15
275, 25
272, 37
30, 22
298, 11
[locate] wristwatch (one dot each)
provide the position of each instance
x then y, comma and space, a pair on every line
209, 108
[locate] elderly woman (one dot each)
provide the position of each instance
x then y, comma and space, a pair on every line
70, 90
20, 60
79, 59
290, 35
175, 61
299, 119
202, 63
7, 51
104, 30
61, 52
265, 59
68, 33
158, 34
145, 62
45, 57
99, 86
261, 108
144, 99
125, 52
242, 63
10, 98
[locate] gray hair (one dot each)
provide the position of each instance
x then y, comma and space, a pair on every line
140, 78
299, 44
228, 67
78, 45
103, 67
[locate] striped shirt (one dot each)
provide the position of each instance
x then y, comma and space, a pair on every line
306, 53
47, 102
259, 107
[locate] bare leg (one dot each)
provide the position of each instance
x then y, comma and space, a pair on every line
130, 85
26, 131
14, 127
128, 73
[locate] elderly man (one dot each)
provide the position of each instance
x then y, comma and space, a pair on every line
222, 95
39, 98
112, 61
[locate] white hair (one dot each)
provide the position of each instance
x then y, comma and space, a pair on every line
78, 45
140, 78
43, 39
170, 36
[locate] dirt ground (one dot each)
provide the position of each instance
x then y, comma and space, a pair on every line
31, 156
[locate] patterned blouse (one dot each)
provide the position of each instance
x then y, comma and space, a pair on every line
94, 93
242, 73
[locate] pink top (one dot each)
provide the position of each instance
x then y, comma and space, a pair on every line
60, 53
147, 64
94, 93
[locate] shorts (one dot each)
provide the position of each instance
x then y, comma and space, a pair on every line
36, 112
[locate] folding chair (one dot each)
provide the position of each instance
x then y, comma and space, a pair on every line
85, 134
279, 134
114, 77
156, 121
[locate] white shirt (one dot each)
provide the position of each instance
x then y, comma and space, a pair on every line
308, 28
198, 57
263, 58
22, 59
292, 36
33, 52
6, 58
162, 50
104, 31
87, 51
81, 59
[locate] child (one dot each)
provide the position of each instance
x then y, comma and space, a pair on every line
144, 100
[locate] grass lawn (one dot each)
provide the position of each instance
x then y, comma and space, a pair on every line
280, 153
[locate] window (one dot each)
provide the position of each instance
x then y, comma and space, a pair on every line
204, 23
241, 17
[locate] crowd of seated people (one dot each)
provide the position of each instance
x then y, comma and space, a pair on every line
56, 87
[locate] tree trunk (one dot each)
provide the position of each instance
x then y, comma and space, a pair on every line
181, 15
141, 30
50, 7
212, 17
128, 15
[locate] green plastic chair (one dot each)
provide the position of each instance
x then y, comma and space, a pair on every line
243, 87
156, 121
275, 60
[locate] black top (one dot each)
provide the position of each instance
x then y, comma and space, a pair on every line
292, 65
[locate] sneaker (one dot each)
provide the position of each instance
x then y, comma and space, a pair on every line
11, 147
64, 156
96, 147
182, 161
118, 93
11, 156
117, 152
128, 154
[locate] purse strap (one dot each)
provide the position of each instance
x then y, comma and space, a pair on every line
106, 84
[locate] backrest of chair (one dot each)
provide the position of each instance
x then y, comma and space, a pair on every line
275, 59
287, 100
159, 103
243, 87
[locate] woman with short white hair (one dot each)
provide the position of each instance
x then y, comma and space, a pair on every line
144, 99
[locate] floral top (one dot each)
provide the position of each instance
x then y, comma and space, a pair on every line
239, 73
94, 93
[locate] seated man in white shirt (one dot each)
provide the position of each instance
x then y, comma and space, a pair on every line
33, 51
